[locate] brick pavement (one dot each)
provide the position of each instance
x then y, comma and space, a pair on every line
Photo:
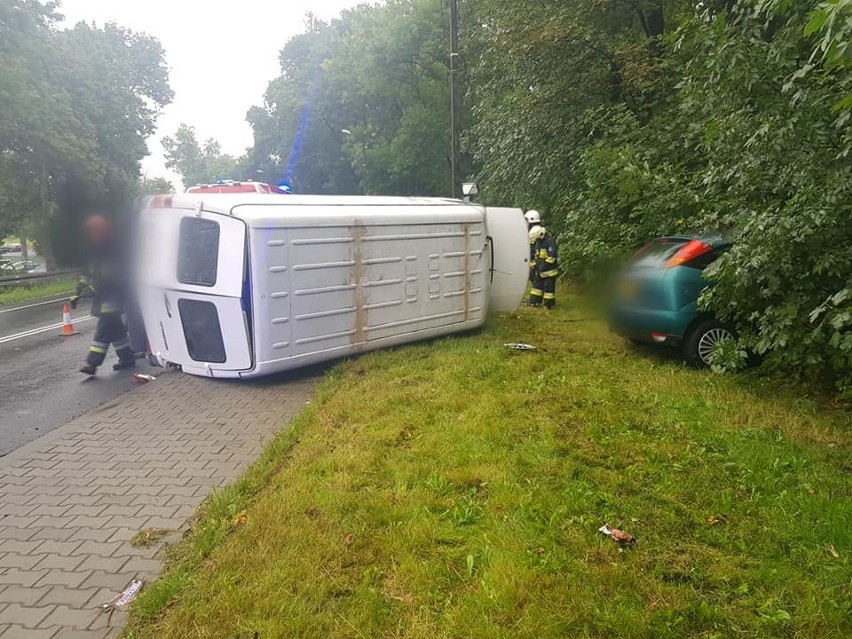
70, 501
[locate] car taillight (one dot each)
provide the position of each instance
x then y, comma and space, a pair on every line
690, 250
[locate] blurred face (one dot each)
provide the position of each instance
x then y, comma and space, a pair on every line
98, 229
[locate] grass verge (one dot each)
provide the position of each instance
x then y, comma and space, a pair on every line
455, 489
21, 293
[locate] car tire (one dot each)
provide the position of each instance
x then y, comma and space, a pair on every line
701, 340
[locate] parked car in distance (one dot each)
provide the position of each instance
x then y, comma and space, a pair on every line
656, 295
6, 267
26, 266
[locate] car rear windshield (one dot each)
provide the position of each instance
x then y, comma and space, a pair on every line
658, 252
198, 256
202, 331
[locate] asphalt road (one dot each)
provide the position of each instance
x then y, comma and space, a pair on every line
40, 388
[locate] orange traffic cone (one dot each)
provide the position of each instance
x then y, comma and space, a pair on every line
67, 326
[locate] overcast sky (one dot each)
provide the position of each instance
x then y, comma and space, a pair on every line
220, 59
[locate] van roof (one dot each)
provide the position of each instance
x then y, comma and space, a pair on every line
264, 209
226, 202
321, 200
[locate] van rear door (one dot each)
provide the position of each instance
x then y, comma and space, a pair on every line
510, 252
193, 275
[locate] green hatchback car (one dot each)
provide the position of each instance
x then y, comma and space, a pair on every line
656, 295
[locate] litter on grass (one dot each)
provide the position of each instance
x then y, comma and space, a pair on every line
122, 599
520, 347
618, 536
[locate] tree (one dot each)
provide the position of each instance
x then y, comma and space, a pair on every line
154, 186
379, 72
76, 107
196, 163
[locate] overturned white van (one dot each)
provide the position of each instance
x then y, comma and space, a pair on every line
245, 285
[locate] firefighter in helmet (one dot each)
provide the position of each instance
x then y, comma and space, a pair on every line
104, 281
546, 267
533, 218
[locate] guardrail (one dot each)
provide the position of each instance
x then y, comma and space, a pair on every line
26, 278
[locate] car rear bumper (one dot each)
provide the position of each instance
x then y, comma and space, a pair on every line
650, 325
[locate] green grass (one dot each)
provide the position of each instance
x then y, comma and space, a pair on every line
24, 293
455, 489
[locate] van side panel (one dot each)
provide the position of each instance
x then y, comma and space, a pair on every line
324, 291
271, 294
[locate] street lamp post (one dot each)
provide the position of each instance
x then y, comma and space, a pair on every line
454, 125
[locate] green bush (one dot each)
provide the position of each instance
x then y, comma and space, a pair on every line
753, 140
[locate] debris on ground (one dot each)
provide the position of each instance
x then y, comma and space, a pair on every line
148, 537
142, 378
717, 519
618, 536
122, 599
520, 347
833, 551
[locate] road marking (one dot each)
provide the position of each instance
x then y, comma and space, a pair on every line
43, 329
20, 308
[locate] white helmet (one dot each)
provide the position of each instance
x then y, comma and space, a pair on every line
536, 233
533, 217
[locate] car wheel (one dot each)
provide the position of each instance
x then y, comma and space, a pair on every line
702, 340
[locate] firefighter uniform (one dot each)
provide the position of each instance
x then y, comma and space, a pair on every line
545, 267
536, 285
103, 281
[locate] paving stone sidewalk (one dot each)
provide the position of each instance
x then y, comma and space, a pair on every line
71, 501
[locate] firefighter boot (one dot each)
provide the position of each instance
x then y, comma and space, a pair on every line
88, 369
126, 357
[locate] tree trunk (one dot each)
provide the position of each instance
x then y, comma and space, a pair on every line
653, 21
25, 253
656, 19
42, 235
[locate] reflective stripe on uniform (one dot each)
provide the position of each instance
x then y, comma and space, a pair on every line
552, 273
550, 296
550, 260
536, 292
125, 343
97, 349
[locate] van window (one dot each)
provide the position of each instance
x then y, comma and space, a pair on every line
198, 255
202, 331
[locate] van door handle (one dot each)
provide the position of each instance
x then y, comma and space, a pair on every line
490, 241
168, 305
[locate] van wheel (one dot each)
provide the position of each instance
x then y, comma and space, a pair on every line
699, 345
